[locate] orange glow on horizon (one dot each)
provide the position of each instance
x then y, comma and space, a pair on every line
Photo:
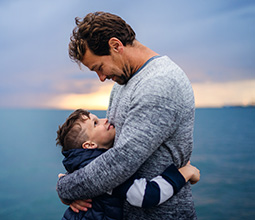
224, 94
206, 95
97, 100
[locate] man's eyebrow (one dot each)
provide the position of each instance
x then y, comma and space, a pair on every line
93, 67
96, 66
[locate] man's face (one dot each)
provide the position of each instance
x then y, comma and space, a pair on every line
99, 131
107, 67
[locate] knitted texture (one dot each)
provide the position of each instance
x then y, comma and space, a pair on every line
154, 116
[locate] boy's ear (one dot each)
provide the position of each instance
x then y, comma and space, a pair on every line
89, 145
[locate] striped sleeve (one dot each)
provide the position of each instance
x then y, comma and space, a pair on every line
142, 193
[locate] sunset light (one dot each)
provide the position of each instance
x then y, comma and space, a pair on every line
97, 100
46, 73
207, 95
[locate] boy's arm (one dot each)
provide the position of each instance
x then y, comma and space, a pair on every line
143, 193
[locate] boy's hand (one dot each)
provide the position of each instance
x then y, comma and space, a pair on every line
196, 175
81, 205
60, 175
78, 205
190, 173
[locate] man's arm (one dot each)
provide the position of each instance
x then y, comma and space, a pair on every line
151, 120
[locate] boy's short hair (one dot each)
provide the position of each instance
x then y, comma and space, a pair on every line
70, 135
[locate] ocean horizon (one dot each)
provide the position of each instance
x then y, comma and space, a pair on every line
224, 151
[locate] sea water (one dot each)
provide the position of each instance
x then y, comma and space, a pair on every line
224, 151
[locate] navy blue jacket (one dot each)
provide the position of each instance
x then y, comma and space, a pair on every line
106, 206
109, 207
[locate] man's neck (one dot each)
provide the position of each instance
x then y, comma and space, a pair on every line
138, 54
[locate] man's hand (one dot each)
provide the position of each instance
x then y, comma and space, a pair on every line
81, 205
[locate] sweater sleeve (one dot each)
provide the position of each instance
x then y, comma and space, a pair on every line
140, 192
152, 118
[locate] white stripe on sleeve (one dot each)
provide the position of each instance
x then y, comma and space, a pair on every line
166, 189
136, 192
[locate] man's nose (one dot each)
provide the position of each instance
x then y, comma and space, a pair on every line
102, 77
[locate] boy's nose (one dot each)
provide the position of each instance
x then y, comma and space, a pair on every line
104, 120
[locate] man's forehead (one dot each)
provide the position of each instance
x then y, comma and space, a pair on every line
89, 59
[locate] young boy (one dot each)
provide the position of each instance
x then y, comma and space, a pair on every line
84, 137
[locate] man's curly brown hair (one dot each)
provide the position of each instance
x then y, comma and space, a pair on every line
70, 135
94, 32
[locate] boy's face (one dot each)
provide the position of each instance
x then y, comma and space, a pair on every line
99, 131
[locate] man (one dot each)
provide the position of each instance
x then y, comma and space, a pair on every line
152, 108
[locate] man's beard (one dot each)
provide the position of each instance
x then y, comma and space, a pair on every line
121, 80
125, 76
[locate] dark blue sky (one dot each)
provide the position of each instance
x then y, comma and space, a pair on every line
213, 41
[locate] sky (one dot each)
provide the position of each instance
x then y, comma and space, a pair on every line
212, 41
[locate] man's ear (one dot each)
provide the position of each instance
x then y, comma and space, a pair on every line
115, 44
89, 145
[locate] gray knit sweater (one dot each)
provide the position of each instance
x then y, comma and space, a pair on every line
154, 116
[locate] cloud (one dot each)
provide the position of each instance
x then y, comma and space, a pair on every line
212, 41
96, 100
209, 94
